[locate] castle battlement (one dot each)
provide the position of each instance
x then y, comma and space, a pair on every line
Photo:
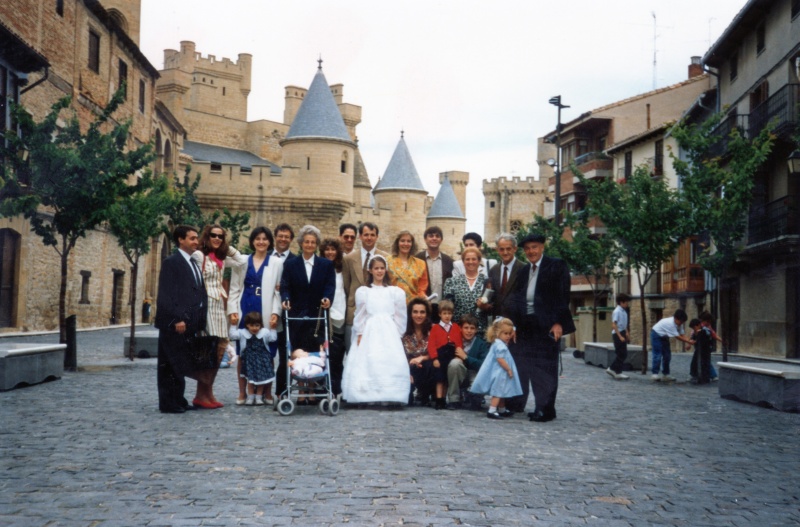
515, 184
190, 60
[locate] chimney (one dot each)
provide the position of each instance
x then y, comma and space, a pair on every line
695, 68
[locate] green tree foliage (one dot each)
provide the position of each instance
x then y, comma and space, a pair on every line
135, 218
645, 218
63, 180
719, 189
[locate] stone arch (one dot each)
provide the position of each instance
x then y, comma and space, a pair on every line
167, 156
159, 153
9, 271
118, 19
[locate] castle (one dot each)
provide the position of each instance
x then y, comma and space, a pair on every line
305, 169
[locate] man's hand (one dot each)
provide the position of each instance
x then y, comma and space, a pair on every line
557, 332
461, 354
233, 318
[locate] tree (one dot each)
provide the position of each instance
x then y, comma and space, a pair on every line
594, 257
63, 180
135, 218
719, 189
646, 219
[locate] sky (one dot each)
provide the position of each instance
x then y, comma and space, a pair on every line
468, 81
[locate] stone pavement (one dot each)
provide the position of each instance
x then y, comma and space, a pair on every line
92, 449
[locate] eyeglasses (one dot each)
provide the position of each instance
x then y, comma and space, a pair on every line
349, 237
213, 235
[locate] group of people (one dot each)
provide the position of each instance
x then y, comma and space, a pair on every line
407, 327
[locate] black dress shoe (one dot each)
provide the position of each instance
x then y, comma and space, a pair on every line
189, 408
178, 410
538, 417
506, 413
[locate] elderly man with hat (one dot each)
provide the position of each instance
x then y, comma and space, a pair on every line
538, 305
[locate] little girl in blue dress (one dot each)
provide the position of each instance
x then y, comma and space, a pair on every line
256, 360
498, 375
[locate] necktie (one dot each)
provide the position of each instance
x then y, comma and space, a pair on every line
366, 267
505, 278
196, 272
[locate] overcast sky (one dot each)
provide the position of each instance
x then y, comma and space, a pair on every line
467, 80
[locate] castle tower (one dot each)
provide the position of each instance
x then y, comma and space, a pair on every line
292, 101
401, 191
458, 181
318, 147
127, 14
362, 188
512, 204
446, 213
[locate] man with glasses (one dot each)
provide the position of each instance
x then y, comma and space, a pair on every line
347, 237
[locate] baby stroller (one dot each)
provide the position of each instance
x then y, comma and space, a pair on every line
320, 384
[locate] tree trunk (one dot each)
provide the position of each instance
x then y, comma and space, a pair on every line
594, 316
134, 276
62, 292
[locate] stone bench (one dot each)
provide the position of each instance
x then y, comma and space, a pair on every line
770, 384
602, 354
146, 344
25, 364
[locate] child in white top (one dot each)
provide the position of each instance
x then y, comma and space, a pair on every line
256, 359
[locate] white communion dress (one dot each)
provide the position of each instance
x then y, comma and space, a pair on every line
376, 370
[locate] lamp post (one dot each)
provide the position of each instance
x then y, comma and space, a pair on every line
793, 162
556, 101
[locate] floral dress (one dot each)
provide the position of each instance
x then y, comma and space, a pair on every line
411, 276
457, 289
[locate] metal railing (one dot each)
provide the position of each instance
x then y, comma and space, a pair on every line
780, 110
723, 132
773, 220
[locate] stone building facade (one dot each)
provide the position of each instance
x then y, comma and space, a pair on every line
510, 204
86, 54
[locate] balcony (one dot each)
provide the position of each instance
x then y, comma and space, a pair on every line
723, 133
593, 165
780, 110
773, 220
682, 273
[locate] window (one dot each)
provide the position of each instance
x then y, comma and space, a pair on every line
344, 163
216, 167
759, 95
308, 163
123, 78
628, 164
85, 275
94, 52
795, 8
733, 64
761, 38
658, 162
491, 204
141, 96
223, 91
4, 106
60, 7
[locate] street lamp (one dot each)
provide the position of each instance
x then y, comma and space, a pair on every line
793, 161
556, 101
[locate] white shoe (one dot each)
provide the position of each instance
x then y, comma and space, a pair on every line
251, 400
259, 401
621, 377
611, 372
656, 377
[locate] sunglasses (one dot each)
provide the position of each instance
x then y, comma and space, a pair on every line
213, 235
349, 237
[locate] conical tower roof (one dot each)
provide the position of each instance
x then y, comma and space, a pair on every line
360, 176
401, 174
446, 204
318, 115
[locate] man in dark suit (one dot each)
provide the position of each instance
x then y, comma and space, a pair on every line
181, 312
307, 283
439, 265
503, 276
539, 307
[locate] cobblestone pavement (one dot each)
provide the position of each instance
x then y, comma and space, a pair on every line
92, 449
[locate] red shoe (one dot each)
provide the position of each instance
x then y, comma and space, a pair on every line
218, 404
208, 405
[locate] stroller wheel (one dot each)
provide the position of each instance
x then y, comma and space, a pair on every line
285, 407
334, 407
323, 406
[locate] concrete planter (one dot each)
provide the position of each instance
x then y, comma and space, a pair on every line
602, 354
25, 364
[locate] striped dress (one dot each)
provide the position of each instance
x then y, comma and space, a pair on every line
216, 321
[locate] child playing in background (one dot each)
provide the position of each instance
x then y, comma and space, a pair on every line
659, 336
498, 375
256, 360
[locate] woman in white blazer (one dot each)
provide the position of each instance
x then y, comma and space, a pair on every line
255, 287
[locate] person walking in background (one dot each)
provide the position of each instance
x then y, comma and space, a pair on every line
659, 336
619, 334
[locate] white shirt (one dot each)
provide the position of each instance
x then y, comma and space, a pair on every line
195, 271
309, 267
532, 278
666, 328
620, 316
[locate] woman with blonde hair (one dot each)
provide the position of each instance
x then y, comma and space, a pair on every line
406, 271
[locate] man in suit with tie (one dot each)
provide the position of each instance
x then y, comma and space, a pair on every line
354, 272
308, 283
538, 305
180, 313
439, 265
503, 276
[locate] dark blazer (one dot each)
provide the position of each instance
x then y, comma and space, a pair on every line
305, 296
180, 298
447, 270
496, 279
551, 297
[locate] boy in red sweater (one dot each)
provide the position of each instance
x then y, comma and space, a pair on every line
443, 341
